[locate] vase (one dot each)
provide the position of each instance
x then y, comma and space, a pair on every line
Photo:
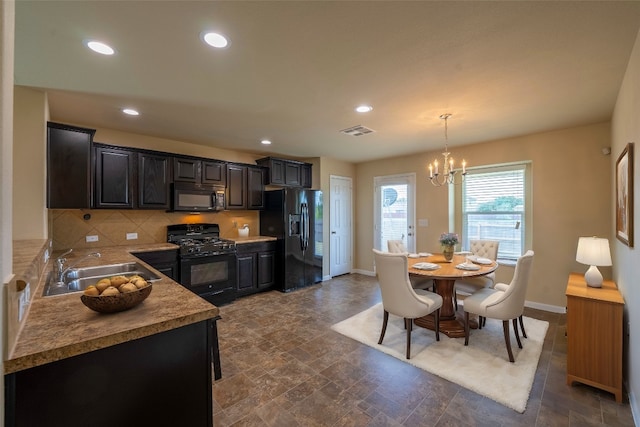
447, 251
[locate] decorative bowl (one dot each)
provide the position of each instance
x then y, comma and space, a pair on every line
116, 303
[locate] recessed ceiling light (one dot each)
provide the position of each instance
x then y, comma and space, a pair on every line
216, 40
100, 47
130, 111
364, 108
265, 142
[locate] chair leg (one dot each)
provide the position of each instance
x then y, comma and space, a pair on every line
408, 324
484, 321
515, 331
385, 319
466, 328
480, 322
455, 298
524, 333
507, 340
437, 316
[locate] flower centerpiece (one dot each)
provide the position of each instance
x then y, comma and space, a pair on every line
448, 242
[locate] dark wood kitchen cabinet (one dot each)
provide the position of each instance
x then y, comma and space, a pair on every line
200, 171
255, 187
166, 262
245, 186
161, 380
256, 267
288, 173
114, 177
68, 166
154, 181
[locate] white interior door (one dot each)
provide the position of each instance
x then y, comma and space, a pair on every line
340, 225
394, 210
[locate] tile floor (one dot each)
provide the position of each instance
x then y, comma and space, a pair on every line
282, 366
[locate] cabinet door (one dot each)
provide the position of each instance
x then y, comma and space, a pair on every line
292, 174
236, 187
255, 187
305, 175
214, 173
276, 172
68, 166
114, 182
266, 269
154, 178
186, 170
246, 271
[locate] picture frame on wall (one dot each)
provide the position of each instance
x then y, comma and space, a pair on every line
624, 196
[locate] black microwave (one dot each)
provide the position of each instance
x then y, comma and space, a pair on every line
191, 197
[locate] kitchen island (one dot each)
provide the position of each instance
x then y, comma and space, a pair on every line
150, 365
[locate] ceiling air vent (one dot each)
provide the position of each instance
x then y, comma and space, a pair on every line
357, 130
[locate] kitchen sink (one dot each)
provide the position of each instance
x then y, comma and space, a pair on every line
77, 279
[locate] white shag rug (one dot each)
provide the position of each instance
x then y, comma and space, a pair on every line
483, 366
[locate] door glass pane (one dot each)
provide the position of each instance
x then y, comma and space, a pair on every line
394, 220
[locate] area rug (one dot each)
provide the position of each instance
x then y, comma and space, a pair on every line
483, 366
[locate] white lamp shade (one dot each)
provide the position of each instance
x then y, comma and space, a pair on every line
593, 251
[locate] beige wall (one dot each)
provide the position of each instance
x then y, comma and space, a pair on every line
29, 154
571, 194
626, 265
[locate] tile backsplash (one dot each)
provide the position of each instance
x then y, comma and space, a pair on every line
69, 228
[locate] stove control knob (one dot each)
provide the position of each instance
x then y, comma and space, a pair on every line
190, 250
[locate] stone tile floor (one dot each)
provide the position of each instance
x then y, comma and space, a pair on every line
282, 366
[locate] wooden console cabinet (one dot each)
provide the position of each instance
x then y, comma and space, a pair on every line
594, 335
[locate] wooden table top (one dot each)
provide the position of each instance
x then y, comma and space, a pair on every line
447, 269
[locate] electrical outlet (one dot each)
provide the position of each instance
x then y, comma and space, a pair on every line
132, 236
91, 239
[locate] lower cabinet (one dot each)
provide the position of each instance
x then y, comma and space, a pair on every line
256, 267
160, 380
166, 262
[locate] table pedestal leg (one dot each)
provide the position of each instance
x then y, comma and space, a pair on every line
451, 322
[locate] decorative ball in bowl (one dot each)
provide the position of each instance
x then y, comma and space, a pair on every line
120, 294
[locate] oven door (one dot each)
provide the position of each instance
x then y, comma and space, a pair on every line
212, 277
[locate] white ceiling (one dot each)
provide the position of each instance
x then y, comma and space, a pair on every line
295, 70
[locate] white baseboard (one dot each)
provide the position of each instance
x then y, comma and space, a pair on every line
364, 272
545, 307
325, 278
635, 413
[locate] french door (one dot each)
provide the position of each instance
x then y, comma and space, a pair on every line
394, 214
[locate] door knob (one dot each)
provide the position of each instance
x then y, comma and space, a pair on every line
333, 232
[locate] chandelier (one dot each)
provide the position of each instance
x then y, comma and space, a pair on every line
448, 175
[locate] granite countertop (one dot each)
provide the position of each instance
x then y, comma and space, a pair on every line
58, 327
253, 239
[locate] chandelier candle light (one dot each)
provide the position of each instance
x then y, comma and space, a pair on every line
448, 176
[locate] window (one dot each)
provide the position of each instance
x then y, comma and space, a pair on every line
494, 206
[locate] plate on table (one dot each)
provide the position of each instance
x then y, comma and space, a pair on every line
424, 254
468, 266
426, 266
479, 260
413, 256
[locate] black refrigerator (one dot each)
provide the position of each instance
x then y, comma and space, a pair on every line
294, 216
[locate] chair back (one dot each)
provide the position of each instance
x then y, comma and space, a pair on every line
511, 304
398, 296
396, 247
485, 248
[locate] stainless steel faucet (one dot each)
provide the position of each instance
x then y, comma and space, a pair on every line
60, 268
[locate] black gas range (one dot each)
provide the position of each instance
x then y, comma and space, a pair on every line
208, 264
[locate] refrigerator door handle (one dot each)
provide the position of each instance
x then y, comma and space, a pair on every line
305, 225
303, 221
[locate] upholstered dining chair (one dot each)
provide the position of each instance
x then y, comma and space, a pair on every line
467, 286
398, 296
502, 305
398, 247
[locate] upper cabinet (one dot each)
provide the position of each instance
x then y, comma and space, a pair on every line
115, 177
154, 179
289, 173
68, 166
245, 186
199, 171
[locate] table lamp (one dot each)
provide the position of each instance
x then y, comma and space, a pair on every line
593, 251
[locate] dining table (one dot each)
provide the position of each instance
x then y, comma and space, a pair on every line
444, 274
